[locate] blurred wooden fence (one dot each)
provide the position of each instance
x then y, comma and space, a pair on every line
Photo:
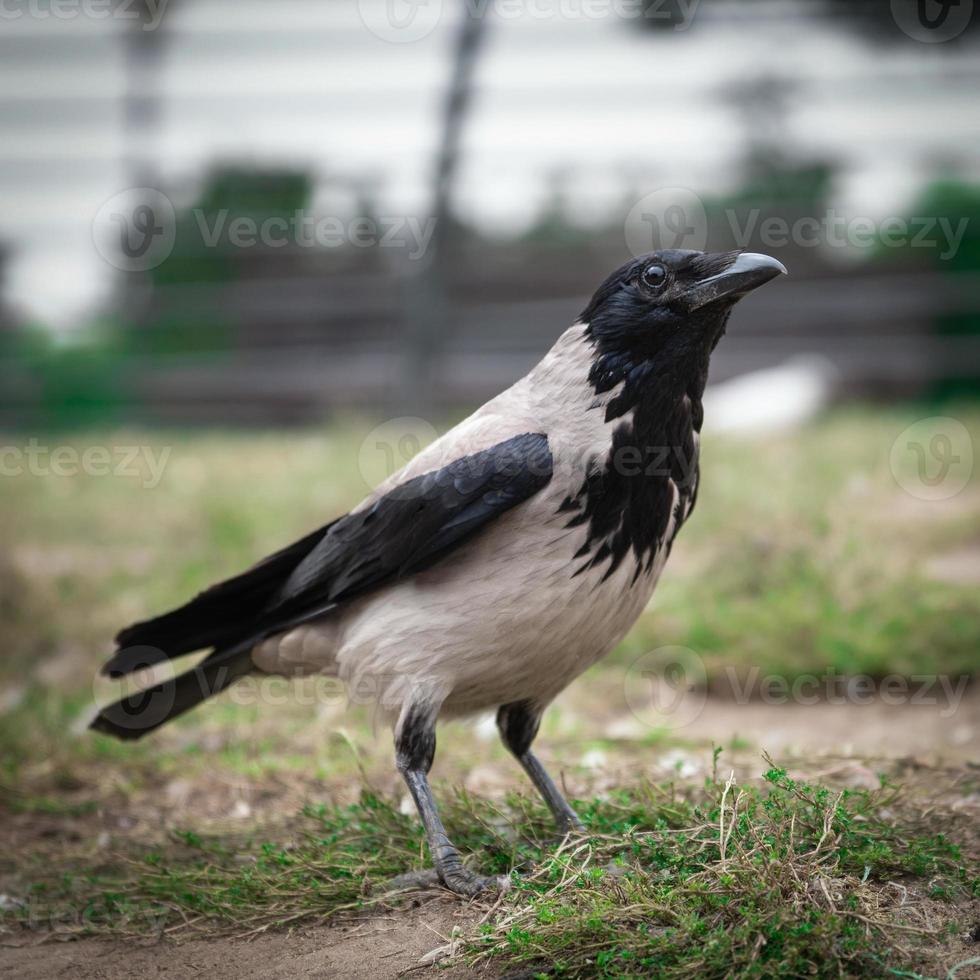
295, 349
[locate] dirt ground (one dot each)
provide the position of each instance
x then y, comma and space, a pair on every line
845, 743
377, 948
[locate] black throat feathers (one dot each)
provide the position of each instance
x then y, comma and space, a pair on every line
638, 496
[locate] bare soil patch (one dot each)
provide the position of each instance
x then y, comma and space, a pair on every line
375, 948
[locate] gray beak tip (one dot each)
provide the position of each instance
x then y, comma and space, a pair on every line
757, 263
747, 272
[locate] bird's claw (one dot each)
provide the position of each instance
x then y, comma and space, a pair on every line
468, 884
460, 881
413, 880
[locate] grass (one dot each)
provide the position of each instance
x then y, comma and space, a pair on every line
777, 878
804, 555
814, 555
786, 880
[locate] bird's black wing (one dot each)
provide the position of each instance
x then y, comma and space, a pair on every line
403, 532
413, 526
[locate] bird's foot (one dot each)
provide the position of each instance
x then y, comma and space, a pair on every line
413, 880
466, 883
566, 824
457, 880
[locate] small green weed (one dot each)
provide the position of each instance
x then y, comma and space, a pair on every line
783, 879
780, 878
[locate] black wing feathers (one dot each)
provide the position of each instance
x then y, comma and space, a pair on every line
416, 524
403, 532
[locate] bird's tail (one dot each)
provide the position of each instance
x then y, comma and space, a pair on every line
137, 714
220, 617
225, 618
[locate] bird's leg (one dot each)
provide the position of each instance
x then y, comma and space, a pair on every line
415, 747
518, 724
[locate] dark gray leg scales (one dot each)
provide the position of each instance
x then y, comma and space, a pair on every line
446, 858
415, 745
518, 724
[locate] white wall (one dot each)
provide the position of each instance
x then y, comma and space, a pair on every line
307, 83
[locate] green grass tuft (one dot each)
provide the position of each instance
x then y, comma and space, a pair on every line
780, 878
785, 879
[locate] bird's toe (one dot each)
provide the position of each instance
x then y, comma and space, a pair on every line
412, 880
468, 884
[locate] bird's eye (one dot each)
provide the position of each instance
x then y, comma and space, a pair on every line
654, 277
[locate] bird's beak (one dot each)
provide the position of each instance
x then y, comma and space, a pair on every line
749, 271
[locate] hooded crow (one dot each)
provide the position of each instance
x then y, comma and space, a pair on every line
503, 560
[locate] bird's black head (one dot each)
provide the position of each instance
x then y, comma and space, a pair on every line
658, 318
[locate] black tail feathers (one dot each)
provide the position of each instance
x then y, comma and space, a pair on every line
137, 714
226, 617
219, 617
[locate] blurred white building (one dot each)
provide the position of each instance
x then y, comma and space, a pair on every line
562, 87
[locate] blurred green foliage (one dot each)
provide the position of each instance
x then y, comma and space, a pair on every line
957, 201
